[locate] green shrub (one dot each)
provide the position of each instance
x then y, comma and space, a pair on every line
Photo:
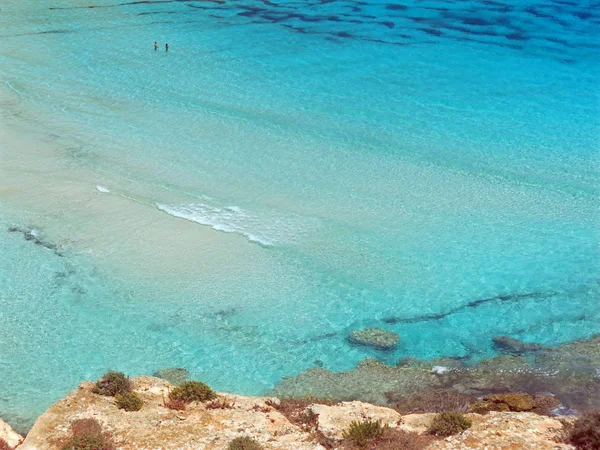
244, 443
113, 383
129, 401
4, 445
87, 435
192, 391
361, 433
85, 441
585, 434
448, 423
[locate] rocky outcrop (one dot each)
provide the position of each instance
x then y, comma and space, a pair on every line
376, 338
156, 427
8, 434
518, 402
574, 379
211, 426
507, 431
333, 420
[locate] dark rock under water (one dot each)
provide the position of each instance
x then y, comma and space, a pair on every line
569, 372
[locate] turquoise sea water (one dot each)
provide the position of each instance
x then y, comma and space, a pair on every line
289, 172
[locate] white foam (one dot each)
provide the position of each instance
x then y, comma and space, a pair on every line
269, 227
35, 233
102, 189
231, 219
439, 370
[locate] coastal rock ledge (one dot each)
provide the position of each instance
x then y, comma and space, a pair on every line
9, 435
204, 426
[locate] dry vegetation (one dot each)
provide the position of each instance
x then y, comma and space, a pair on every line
585, 432
220, 403
371, 435
87, 434
432, 402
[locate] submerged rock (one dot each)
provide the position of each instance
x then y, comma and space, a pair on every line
174, 375
376, 338
506, 344
568, 372
370, 363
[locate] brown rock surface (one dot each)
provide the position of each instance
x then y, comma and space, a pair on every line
416, 423
9, 435
156, 427
334, 419
199, 427
507, 431
515, 402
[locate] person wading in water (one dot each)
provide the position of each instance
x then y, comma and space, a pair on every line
155, 46
166, 47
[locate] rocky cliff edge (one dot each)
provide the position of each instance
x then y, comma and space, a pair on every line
212, 427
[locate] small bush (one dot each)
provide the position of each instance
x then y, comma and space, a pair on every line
244, 443
585, 434
448, 423
175, 404
129, 401
4, 445
85, 441
361, 433
86, 426
87, 435
192, 391
113, 383
395, 439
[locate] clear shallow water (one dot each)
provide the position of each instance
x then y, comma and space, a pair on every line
335, 164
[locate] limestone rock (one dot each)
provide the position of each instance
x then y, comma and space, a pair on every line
507, 431
156, 427
333, 420
416, 423
9, 435
376, 338
211, 427
540, 404
507, 344
515, 402
485, 406
174, 375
